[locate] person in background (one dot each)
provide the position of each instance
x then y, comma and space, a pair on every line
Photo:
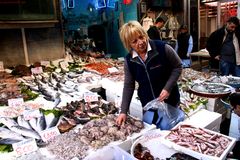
153, 32
184, 45
234, 100
223, 47
153, 64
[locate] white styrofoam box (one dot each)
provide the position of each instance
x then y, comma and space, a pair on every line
109, 153
152, 140
136, 109
234, 130
205, 119
111, 85
110, 96
214, 104
198, 155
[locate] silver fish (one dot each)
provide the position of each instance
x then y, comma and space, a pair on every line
66, 90
6, 133
51, 120
8, 122
41, 123
22, 122
34, 125
9, 141
25, 132
57, 100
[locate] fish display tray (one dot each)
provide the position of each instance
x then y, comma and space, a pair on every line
126, 145
234, 81
218, 94
153, 141
229, 80
199, 155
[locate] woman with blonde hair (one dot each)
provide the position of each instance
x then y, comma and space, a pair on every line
153, 64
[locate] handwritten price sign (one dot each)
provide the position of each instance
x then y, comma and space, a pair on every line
64, 65
37, 70
45, 63
16, 102
10, 112
1, 66
30, 105
49, 133
25, 147
90, 97
113, 70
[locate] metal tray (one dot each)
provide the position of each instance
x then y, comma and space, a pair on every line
211, 90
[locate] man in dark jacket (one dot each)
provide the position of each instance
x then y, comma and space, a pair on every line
153, 31
223, 47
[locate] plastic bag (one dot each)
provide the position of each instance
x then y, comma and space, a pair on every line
167, 115
110, 153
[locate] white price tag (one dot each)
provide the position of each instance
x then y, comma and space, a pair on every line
30, 114
113, 70
1, 66
37, 70
64, 65
15, 102
30, 105
25, 147
8, 112
90, 97
49, 134
45, 63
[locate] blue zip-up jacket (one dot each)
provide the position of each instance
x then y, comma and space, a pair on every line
154, 75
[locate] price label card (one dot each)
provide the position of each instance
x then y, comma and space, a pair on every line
113, 70
30, 105
1, 66
49, 134
64, 65
45, 63
37, 70
25, 147
30, 114
8, 112
15, 102
90, 97
11, 112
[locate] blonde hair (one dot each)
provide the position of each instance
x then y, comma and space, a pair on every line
130, 30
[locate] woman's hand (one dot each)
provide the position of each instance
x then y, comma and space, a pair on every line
121, 119
163, 95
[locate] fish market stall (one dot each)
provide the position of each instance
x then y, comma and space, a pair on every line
50, 107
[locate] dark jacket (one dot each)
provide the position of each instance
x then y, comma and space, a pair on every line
153, 76
183, 43
214, 42
153, 33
